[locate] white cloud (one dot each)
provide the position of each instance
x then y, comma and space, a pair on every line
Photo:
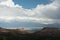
18, 18
46, 14
9, 3
2, 0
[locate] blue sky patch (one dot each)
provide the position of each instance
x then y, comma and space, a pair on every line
31, 3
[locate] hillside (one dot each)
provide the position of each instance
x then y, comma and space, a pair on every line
17, 34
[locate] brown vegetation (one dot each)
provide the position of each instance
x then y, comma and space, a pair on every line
16, 34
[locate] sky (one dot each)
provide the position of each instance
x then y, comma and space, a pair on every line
29, 4
29, 13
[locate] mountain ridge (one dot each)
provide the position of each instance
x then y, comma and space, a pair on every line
43, 34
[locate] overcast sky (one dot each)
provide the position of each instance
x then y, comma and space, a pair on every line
29, 13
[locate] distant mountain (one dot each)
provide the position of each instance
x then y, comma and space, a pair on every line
55, 25
21, 30
34, 30
49, 31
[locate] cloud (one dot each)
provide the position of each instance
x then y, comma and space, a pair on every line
2, 0
9, 3
18, 18
42, 14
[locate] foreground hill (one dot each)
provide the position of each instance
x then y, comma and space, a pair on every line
17, 34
